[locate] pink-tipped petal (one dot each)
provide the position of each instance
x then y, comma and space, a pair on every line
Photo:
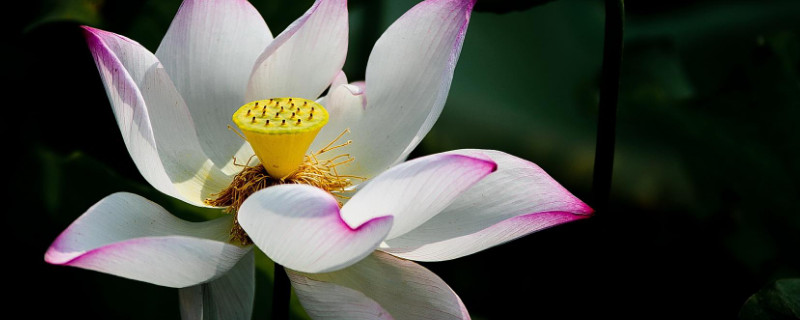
155, 123
518, 199
128, 236
208, 52
416, 190
407, 81
228, 297
299, 227
378, 287
304, 59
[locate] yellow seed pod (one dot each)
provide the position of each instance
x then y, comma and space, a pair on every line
280, 130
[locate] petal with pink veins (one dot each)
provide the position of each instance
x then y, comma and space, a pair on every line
407, 80
416, 190
518, 199
128, 236
299, 226
306, 57
228, 297
378, 287
208, 52
156, 125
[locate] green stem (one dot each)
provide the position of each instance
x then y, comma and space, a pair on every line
281, 292
609, 96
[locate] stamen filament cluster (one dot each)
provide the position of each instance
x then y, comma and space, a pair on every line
313, 171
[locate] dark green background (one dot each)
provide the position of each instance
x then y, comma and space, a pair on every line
704, 201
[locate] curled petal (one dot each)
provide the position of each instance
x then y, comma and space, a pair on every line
304, 58
378, 287
131, 237
416, 190
299, 227
407, 80
208, 52
518, 199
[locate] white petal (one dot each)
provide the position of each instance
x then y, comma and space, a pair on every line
305, 58
345, 104
324, 300
209, 51
407, 81
378, 287
518, 199
228, 297
153, 118
340, 79
416, 190
299, 227
128, 236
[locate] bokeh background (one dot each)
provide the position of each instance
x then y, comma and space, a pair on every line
705, 189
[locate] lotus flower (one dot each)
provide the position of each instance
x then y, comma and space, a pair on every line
346, 257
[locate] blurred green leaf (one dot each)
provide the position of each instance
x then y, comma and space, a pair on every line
505, 6
80, 11
71, 184
525, 91
780, 300
721, 116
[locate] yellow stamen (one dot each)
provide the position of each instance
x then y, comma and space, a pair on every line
328, 147
237, 132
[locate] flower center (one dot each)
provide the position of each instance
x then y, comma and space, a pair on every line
280, 130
